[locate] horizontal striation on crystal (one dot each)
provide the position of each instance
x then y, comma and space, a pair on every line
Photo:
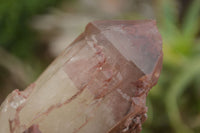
98, 84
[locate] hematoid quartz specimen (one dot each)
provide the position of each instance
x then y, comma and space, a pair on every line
98, 84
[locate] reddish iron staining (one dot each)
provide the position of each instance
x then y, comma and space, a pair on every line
58, 105
102, 92
11, 126
14, 123
85, 123
29, 90
99, 55
143, 85
33, 129
131, 123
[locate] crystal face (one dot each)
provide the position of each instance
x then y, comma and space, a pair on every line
98, 84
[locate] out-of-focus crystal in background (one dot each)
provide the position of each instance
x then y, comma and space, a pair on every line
34, 32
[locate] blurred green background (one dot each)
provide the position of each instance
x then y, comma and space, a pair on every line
34, 32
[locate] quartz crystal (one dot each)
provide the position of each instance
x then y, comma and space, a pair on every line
98, 84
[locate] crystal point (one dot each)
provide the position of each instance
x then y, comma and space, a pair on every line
98, 84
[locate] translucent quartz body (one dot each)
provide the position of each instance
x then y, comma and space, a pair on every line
98, 84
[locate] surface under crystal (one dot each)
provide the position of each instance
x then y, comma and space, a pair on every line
98, 84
